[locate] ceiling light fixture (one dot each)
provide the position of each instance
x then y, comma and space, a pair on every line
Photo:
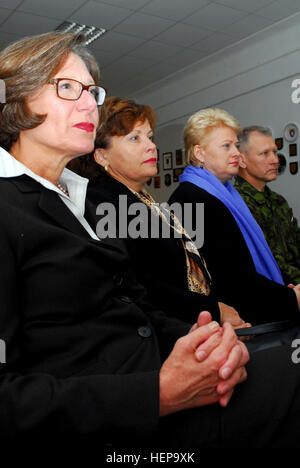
91, 33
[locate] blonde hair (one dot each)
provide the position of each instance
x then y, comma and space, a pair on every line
27, 65
199, 127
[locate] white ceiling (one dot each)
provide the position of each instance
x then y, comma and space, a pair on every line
146, 40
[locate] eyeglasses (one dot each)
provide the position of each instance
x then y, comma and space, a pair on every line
71, 90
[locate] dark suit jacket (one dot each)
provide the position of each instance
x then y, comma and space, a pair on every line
235, 279
83, 347
158, 263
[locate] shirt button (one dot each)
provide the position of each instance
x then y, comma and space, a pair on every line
144, 332
125, 299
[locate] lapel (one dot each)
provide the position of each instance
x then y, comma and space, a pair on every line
50, 203
109, 189
116, 246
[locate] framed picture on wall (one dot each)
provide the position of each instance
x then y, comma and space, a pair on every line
293, 168
291, 132
168, 179
157, 182
176, 173
293, 149
279, 143
179, 157
282, 163
167, 161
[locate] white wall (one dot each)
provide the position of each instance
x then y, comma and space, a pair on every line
252, 80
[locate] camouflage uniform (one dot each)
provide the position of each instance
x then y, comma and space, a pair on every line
280, 228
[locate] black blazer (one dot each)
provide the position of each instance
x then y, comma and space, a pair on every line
158, 263
83, 347
235, 279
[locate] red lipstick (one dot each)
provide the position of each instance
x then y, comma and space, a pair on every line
151, 160
87, 126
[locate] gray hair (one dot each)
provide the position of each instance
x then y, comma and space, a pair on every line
246, 132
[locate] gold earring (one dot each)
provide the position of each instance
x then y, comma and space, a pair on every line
106, 167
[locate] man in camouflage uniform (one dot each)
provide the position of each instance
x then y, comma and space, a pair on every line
258, 166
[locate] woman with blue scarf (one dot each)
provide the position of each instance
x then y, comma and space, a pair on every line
236, 252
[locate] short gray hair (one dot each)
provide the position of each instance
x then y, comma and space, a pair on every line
246, 132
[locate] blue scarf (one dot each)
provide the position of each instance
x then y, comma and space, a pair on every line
262, 256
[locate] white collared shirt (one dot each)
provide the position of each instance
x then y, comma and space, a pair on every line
77, 186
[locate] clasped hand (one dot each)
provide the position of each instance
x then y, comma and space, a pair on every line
203, 367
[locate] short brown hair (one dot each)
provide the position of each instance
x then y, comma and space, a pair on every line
118, 117
26, 66
201, 124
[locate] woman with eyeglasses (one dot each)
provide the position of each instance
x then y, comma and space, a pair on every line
84, 355
86, 360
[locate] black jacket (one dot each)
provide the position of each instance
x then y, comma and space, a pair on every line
229, 261
83, 348
158, 263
